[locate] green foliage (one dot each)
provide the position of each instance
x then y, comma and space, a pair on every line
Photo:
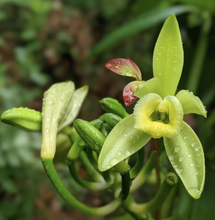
43, 42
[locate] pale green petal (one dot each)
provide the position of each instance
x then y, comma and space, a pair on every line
123, 141
55, 103
150, 86
191, 103
168, 56
187, 158
74, 106
157, 117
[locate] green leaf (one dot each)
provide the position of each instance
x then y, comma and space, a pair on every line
191, 103
74, 106
168, 56
124, 67
55, 104
142, 23
123, 141
150, 86
187, 158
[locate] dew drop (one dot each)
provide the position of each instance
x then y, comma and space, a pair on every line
192, 144
178, 170
189, 155
197, 149
119, 153
177, 149
127, 153
171, 157
113, 161
181, 159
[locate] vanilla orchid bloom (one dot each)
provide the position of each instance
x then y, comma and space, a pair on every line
159, 113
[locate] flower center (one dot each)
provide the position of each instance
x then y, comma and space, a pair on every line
157, 117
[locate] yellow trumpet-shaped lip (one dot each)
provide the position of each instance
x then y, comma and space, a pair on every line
157, 117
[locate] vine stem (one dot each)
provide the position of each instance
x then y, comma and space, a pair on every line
157, 168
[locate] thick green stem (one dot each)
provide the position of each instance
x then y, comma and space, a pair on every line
166, 187
122, 168
139, 163
83, 182
76, 149
65, 194
127, 203
90, 169
144, 173
168, 204
185, 204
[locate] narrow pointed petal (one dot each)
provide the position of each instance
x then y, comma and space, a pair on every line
74, 106
150, 86
191, 103
168, 56
123, 141
187, 158
124, 67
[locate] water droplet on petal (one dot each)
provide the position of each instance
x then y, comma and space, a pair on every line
181, 159
127, 153
197, 149
113, 161
171, 157
177, 149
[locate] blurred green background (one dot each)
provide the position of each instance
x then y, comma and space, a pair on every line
43, 42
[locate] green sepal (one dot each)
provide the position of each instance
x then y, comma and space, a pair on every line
74, 106
187, 158
90, 135
123, 141
168, 56
110, 119
111, 105
55, 106
24, 118
150, 86
191, 103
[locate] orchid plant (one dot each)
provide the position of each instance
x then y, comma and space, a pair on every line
106, 146
159, 112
